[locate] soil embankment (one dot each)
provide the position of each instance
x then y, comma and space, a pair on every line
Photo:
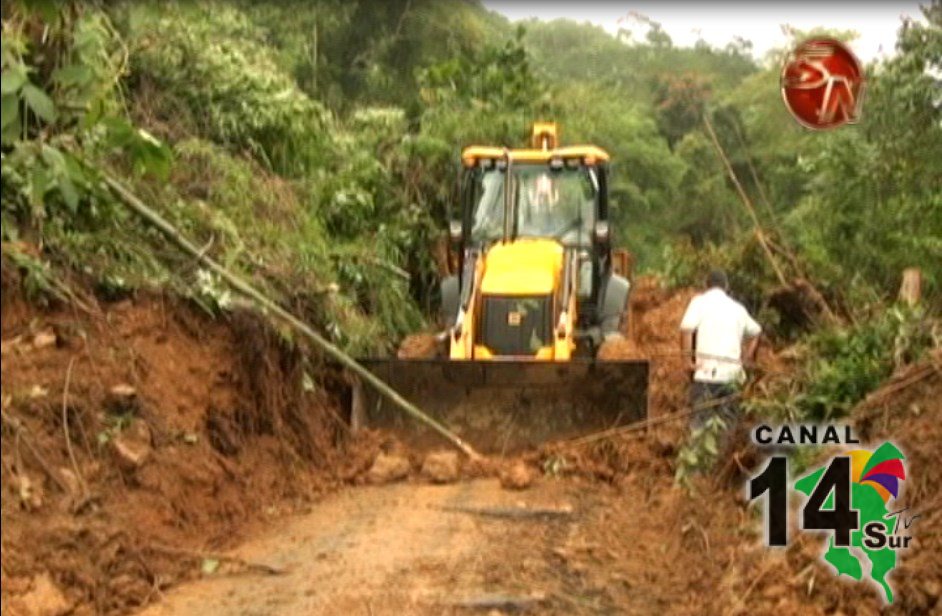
137, 438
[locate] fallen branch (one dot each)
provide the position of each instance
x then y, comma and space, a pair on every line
65, 431
646, 423
901, 382
755, 581
764, 240
512, 512
222, 558
498, 601
130, 200
22, 434
747, 202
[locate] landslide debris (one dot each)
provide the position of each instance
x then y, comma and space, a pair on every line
182, 434
388, 467
442, 467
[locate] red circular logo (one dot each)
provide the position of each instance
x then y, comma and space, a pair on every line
822, 84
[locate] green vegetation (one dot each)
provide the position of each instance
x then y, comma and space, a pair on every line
312, 148
840, 366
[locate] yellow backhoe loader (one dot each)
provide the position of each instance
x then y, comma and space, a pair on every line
536, 289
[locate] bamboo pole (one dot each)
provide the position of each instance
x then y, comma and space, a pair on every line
747, 202
130, 200
764, 241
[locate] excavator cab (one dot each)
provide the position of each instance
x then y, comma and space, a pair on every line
535, 289
540, 217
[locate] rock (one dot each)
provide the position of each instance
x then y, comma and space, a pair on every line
38, 391
44, 598
518, 476
441, 466
122, 398
123, 391
71, 482
418, 346
29, 490
45, 338
388, 468
933, 588
132, 446
8, 346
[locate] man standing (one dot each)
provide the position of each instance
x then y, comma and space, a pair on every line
719, 324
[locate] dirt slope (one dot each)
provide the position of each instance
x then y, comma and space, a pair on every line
186, 432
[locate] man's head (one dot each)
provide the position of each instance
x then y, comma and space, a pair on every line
717, 278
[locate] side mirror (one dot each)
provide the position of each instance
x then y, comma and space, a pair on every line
601, 234
454, 233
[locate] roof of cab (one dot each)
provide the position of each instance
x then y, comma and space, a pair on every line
471, 154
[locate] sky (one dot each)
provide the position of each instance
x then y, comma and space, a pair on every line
719, 22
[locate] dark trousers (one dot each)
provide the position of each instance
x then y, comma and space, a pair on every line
715, 400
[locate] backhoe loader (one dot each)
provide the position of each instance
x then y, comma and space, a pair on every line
536, 289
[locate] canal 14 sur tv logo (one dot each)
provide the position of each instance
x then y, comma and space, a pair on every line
849, 497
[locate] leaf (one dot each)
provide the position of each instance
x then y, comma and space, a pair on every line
10, 110
39, 184
119, 133
74, 74
12, 80
75, 171
209, 566
39, 102
69, 193
148, 154
48, 10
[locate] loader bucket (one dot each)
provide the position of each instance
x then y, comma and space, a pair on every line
504, 406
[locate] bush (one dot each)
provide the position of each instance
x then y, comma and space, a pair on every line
847, 364
209, 56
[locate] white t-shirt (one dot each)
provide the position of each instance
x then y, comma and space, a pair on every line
721, 324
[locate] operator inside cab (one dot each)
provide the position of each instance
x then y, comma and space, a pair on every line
538, 211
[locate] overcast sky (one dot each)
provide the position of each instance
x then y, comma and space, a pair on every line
719, 22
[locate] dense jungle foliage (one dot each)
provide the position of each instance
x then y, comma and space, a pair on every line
312, 147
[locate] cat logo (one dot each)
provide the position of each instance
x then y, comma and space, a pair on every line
514, 318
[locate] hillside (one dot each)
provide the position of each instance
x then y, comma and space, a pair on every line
162, 427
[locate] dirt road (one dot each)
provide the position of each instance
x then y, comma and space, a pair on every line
402, 548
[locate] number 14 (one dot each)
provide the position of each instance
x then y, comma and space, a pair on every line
840, 518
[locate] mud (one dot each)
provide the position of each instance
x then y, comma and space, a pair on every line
145, 427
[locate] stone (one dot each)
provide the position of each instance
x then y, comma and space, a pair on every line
30, 491
132, 446
518, 476
44, 598
441, 467
45, 338
122, 398
8, 346
388, 468
123, 391
71, 482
